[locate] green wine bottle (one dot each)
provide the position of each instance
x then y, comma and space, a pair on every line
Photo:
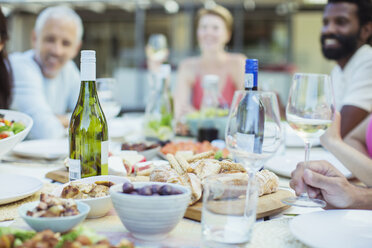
88, 134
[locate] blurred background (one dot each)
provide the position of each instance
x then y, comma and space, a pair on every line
282, 35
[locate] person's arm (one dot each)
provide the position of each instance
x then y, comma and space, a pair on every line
237, 70
357, 137
325, 182
182, 92
357, 98
351, 117
357, 162
73, 79
29, 98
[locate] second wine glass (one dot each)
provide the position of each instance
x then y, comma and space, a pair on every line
310, 111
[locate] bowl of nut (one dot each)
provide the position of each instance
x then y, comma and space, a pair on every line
93, 191
150, 210
54, 213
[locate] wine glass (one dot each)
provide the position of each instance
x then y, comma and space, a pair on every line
105, 89
310, 111
157, 47
253, 132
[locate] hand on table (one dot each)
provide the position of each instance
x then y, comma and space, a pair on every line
324, 182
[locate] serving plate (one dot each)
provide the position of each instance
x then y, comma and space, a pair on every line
286, 163
16, 187
334, 228
42, 148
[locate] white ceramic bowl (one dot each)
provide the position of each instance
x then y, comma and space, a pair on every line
7, 144
150, 217
56, 224
99, 206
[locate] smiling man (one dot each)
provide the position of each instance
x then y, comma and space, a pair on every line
345, 38
46, 80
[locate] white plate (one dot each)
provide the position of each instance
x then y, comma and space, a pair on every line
334, 228
285, 164
16, 187
121, 127
117, 128
43, 148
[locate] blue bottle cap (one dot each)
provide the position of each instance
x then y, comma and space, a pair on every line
251, 65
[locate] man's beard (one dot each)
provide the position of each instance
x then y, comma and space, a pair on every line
348, 46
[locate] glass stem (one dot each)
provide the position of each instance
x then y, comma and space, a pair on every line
307, 152
307, 155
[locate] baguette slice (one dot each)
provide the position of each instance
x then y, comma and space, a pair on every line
174, 164
231, 166
268, 182
200, 156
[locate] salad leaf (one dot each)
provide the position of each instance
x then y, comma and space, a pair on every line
17, 127
5, 128
218, 155
80, 230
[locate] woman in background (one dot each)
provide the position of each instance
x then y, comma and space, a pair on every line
214, 28
5, 69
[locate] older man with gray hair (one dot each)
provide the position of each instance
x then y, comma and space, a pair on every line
46, 80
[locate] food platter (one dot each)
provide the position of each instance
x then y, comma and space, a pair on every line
268, 204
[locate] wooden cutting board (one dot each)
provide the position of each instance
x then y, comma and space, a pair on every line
60, 175
267, 205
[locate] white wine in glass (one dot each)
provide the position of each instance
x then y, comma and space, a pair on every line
310, 111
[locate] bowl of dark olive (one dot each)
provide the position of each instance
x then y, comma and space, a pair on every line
150, 210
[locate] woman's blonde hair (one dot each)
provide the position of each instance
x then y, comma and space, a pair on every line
219, 11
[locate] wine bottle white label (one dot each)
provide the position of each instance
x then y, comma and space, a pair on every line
104, 157
74, 169
248, 80
245, 142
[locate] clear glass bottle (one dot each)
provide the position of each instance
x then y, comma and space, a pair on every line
159, 110
210, 100
251, 112
88, 133
207, 129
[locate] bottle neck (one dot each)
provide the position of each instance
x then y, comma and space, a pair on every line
88, 91
161, 85
88, 80
250, 80
88, 71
